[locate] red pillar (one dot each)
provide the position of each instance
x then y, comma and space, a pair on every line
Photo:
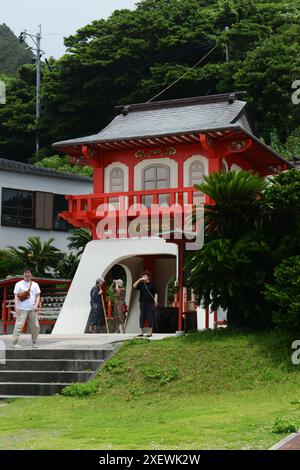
130, 181
180, 174
215, 318
99, 180
180, 280
206, 318
150, 264
4, 311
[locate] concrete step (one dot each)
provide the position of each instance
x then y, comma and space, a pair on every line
76, 354
52, 364
22, 389
38, 372
43, 376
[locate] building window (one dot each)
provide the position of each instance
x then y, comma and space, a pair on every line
156, 177
235, 167
60, 204
18, 208
116, 180
30, 209
196, 176
196, 172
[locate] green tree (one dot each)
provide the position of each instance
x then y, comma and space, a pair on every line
10, 265
232, 275
40, 257
236, 203
61, 163
252, 227
133, 55
284, 294
17, 116
78, 239
267, 75
67, 266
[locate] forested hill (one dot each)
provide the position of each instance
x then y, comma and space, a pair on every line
13, 54
133, 55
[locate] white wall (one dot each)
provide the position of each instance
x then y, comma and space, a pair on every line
18, 236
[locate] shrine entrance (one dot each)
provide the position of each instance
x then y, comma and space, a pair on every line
98, 260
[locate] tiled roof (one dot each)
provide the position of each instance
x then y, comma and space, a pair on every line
168, 117
26, 168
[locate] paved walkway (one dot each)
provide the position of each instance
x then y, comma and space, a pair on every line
85, 341
291, 442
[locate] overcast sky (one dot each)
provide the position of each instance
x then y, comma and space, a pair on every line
58, 18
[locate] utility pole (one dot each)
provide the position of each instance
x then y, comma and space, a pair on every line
226, 47
37, 42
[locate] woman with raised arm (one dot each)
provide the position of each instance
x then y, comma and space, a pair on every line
148, 302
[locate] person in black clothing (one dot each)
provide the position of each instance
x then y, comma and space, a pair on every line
148, 301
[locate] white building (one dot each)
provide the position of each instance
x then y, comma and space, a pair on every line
31, 198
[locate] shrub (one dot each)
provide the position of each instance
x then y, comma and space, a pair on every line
284, 426
284, 293
9, 264
115, 366
80, 389
153, 373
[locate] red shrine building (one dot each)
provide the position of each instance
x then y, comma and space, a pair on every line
150, 157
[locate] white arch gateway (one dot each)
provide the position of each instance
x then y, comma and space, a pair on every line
98, 258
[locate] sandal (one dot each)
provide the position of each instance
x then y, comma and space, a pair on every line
149, 335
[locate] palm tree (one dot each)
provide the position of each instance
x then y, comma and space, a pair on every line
67, 266
236, 197
78, 239
38, 256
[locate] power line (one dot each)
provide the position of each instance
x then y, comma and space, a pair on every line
183, 75
188, 50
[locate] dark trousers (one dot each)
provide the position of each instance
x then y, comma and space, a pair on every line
147, 310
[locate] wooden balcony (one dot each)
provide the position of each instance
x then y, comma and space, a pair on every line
84, 209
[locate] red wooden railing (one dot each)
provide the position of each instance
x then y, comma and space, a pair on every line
90, 202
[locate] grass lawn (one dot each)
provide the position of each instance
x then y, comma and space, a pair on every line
212, 390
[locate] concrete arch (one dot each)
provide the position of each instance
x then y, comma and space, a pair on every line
98, 258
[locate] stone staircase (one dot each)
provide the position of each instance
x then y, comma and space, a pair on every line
37, 372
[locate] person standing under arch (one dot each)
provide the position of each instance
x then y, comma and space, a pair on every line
148, 302
97, 308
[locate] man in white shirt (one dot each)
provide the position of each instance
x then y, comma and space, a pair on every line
26, 309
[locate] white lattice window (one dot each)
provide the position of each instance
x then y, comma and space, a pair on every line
156, 176
196, 176
116, 180
196, 172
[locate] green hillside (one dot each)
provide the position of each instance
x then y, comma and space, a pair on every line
212, 390
13, 54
